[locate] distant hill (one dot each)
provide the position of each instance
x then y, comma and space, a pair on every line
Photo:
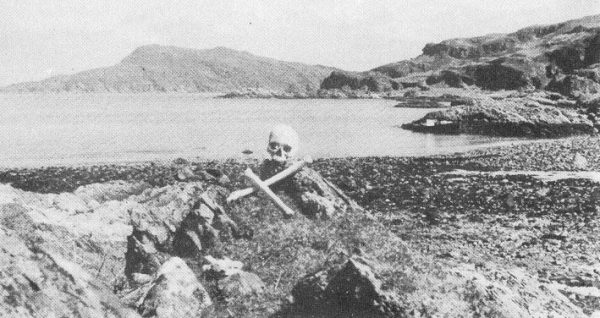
156, 68
562, 57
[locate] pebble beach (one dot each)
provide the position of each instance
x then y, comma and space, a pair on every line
549, 229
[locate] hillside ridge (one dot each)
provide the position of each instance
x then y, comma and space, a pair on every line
559, 57
161, 68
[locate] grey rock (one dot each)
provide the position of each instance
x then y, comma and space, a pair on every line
241, 284
175, 292
230, 279
351, 289
575, 86
179, 220
35, 282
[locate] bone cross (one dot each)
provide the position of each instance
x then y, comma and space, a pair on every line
287, 211
293, 168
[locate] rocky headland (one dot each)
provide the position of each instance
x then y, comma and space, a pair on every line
561, 57
158, 68
551, 72
540, 115
429, 239
540, 81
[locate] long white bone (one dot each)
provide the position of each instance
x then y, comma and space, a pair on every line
236, 195
265, 188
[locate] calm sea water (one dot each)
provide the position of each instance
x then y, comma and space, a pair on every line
79, 129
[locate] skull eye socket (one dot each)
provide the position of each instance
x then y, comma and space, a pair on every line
274, 146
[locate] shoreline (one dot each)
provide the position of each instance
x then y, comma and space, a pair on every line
542, 155
546, 229
75, 163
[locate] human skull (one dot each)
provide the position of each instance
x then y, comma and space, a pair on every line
283, 143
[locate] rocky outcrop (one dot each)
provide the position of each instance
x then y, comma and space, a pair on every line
352, 264
356, 288
576, 86
156, 68
527, 59
372, 81
181, 220
97, 225
591, 72
507, 73
37, 281
505, 117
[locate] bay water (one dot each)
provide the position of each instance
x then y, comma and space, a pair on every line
65, 129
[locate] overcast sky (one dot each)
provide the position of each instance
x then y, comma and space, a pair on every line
49, 37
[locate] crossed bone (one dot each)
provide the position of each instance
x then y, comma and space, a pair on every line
264, 185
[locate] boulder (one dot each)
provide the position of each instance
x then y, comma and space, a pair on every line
241, 284
579, 161
221, 268
349, 290
229, 279
175, 292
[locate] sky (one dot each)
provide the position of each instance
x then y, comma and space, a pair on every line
44, 38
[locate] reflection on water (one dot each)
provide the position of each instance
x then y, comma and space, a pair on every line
62, 129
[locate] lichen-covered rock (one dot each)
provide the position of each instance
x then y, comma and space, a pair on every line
96, 238
35, 282
180, 220
175, 292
